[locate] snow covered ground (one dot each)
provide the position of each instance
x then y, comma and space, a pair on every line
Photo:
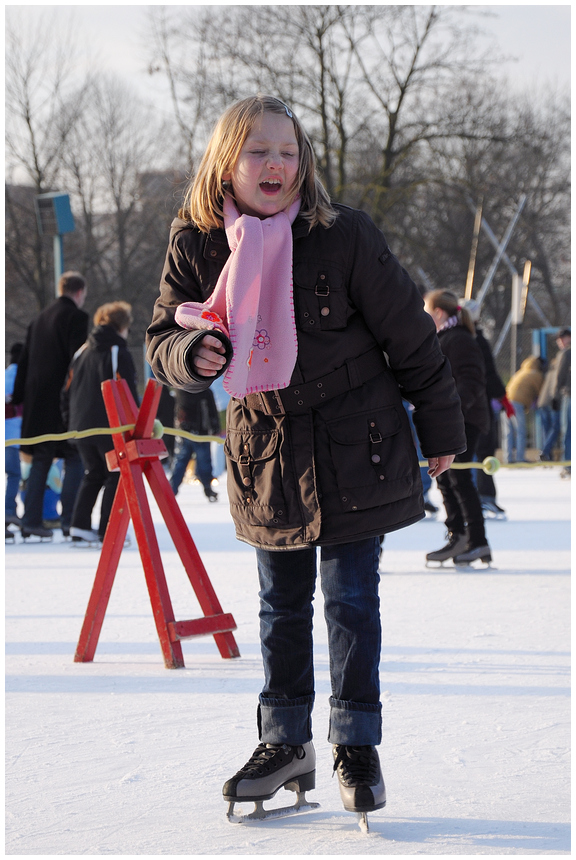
124, 757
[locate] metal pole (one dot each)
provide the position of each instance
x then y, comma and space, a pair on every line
501, 248
58, 260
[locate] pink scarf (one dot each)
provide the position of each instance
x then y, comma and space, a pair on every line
252, 302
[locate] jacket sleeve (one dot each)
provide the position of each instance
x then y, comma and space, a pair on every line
21, 373
467, 365
77, 332
495, 388
168, 345
394, 311
127, 371
563, 380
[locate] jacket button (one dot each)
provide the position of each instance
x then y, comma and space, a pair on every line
325, 312
246, 482
375, 458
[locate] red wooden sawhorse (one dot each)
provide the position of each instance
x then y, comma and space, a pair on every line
136, 454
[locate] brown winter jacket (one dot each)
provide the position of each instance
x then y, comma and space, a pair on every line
524, 387
330, 459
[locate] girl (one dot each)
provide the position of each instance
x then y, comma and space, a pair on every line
464, 518
104, 356
318, 444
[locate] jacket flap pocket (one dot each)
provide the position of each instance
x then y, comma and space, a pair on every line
251, 446
318, 277
356, 429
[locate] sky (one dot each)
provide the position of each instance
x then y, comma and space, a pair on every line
537, 36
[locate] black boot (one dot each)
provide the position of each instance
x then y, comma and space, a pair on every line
269, 768
456, 544
362, 786
473, 552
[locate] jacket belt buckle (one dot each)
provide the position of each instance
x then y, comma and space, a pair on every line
272, 403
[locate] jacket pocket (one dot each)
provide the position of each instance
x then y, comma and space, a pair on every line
321, 298
255, 477
373, 458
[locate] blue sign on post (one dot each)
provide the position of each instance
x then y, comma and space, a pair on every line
55, 218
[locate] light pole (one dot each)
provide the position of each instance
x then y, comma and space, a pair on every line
55, 218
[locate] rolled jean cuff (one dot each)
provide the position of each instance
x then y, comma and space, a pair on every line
355, 723
285, 721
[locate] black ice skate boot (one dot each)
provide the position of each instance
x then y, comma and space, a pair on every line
273, 766
473, 553
362, 786
456, 544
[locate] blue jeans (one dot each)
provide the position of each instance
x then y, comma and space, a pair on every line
517, 435
12, 459
349, 580
567, 422
42, 457
426, 479
183, 451
550, 420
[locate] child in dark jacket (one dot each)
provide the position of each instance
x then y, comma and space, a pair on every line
464, 518
105, 355
319, 334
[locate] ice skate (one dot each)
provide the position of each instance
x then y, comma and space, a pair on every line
472, 554
491, 510
362, 786
456, 544
431, 510
36, 531
9, 536
271, 767
13, 520
85, 537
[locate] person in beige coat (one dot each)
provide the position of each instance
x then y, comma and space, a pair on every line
522, 391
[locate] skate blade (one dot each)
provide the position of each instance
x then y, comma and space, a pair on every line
363, 822
469, 565
435, 565
261, 814
490, 515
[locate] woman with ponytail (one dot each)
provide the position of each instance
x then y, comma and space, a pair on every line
464, 518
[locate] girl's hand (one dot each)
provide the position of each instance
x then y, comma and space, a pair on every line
208, 356
437, 465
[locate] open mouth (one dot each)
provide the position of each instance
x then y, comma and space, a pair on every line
270, 186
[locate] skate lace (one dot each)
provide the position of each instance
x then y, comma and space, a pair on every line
357, 764
266, 757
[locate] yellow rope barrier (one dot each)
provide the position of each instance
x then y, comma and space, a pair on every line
489, 465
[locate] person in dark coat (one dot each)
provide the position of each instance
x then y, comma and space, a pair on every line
464, 518
105, 355
197, 414
497, 400
51, 341
319, 449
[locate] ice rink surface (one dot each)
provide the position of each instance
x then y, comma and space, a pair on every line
124, 757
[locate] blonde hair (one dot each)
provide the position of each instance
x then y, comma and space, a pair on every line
116, 314
204, 198
450, 303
